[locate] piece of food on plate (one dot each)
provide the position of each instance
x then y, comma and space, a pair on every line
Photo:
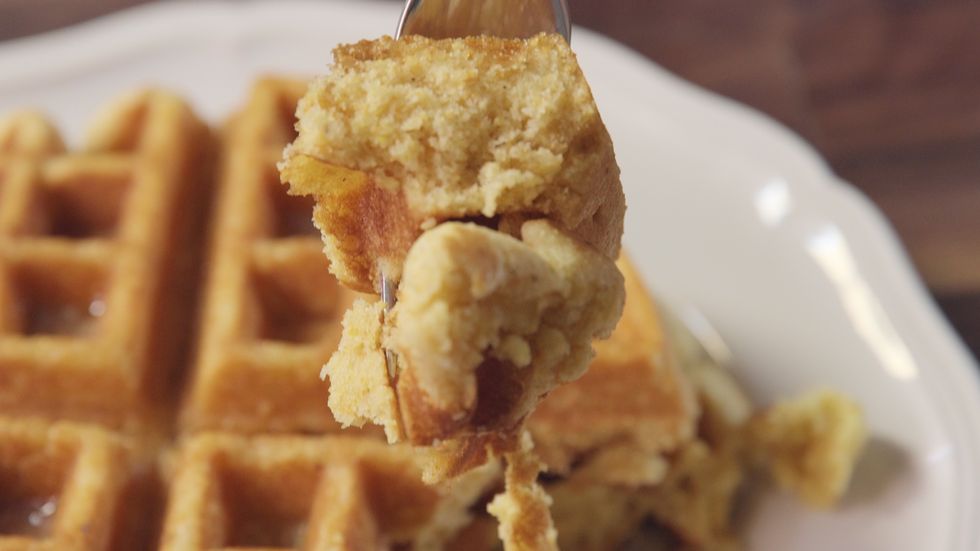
477, 175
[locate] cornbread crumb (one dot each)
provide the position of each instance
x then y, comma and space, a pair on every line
810, 444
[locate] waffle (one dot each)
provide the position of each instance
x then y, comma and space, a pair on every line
68, 486
521, 316
96, 260
271, 309
311, 493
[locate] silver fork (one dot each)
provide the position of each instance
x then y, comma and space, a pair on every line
506, 18
459, 18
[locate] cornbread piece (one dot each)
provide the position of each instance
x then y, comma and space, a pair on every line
403, 134
64, 486
810, 444
271, 310
632, 404
484, 327
97, 250
311, 493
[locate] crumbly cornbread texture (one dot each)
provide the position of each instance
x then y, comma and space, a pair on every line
485, 326
402, 134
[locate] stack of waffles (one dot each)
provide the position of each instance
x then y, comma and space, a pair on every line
165, 309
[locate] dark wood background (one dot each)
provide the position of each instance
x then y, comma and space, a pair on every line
887, 90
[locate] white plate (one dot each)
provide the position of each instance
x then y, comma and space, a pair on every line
728, 212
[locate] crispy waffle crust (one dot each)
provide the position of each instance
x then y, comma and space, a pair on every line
97, 260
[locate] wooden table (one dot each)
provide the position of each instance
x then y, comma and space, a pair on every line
887, 90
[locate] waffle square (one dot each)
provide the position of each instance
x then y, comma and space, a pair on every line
291, 492
64, 486
272, 310
97, 259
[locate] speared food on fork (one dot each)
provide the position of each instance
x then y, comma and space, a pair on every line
476, 174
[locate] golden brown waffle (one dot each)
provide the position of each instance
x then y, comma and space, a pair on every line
66, 487
272, 310
309, 493
96, 259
